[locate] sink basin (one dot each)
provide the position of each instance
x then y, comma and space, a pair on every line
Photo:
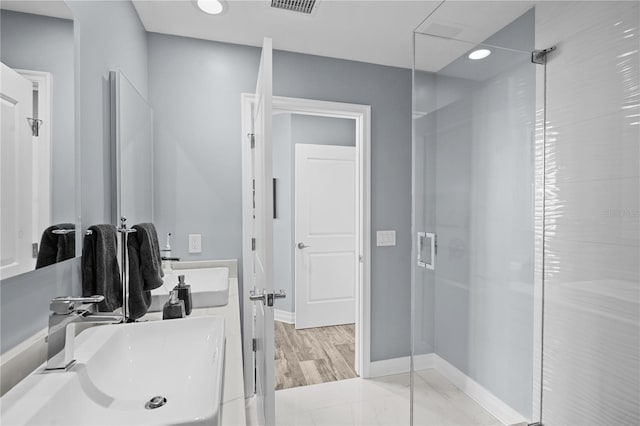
209, 287
120, 368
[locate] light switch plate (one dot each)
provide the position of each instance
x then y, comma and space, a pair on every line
195, 243
385, 238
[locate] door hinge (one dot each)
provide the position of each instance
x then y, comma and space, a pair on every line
252, 139
254, 344
34, 250
253, 244
435, 244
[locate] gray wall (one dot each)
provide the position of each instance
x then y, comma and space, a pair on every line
388, 91
24, 300
195, 88
477, 195
111, 37
42, 43
302, 129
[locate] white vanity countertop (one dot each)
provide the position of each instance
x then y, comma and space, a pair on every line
233, 402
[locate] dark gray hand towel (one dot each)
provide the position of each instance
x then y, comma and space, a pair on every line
49, 251
66, 246
100, 270
145, 268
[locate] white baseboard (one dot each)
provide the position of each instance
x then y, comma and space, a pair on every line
389, 366
470, 387
284, 316
478, 393
400, 365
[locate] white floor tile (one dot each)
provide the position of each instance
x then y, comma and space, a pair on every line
380, 401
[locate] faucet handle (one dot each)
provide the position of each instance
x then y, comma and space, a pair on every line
66, 304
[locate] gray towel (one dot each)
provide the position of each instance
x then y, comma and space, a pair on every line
55, 247
100, 270
145, 268
66, 246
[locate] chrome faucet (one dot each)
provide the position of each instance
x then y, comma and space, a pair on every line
64, 313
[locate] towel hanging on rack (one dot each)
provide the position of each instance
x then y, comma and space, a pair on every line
100, 270
145, 268
55, 247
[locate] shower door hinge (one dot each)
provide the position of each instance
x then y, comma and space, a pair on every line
254, 344
252, 139
540, 56
253, 244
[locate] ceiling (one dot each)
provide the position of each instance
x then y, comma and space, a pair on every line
55, 8
378, 31
459, 26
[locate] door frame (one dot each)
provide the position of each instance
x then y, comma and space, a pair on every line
362, 115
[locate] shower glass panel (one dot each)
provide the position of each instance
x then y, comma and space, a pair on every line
474, 189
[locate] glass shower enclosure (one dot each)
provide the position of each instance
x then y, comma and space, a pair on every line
477, 114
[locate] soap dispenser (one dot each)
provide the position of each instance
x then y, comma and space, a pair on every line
184, 294
174, 308
166, 257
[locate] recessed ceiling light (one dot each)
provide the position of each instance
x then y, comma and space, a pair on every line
479, 54
212, 7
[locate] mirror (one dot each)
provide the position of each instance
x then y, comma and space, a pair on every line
38, 155
132, 147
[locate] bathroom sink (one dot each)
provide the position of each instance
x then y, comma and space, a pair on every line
209, 287
119, 370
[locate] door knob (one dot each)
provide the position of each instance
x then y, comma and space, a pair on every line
302, 246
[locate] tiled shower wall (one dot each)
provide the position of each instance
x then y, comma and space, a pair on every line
592, 279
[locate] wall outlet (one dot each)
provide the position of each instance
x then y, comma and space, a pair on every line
195, 243
385, 238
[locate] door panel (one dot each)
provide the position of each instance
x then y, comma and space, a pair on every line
262, 279
325, 228
329, 276
16, 99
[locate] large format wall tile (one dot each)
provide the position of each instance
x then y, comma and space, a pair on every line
591, 358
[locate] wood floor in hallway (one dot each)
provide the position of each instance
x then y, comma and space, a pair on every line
313, 355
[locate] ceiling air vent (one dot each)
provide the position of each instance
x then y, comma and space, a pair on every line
302, 6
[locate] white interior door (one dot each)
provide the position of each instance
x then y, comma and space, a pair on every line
325, 230
262, 280
16, 99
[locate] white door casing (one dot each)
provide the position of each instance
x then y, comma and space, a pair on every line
325, 235
16, 100
362, 115
262, 279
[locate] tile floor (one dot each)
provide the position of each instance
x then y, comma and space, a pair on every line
380, 401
